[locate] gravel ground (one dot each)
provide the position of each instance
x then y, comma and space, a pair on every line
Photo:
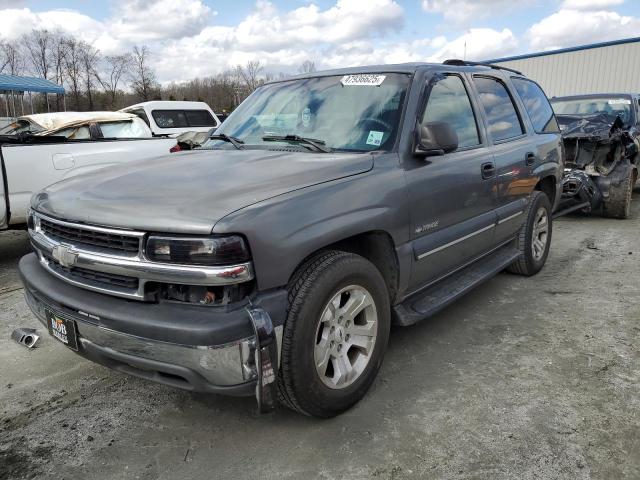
527, 378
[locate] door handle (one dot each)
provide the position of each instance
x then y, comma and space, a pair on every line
488, 170
530, 159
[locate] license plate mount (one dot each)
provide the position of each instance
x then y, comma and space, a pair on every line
62, 329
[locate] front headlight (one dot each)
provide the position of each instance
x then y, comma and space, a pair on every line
226, 250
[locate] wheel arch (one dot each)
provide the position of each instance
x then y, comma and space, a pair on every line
548, 185
377, 246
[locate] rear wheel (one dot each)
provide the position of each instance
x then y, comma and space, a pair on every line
618, 204
335, 334
534, 239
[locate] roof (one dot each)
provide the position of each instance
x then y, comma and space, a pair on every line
52, 121
406, 68
566, 50
170, 105
594, 95
28, 84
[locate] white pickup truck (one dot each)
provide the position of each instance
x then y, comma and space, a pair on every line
30, 163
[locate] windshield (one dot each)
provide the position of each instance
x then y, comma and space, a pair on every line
20, 126
350, 112
614, 106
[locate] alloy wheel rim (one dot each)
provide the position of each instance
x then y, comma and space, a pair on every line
540, 234
345, 337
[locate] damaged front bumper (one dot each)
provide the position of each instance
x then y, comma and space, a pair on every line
231, 350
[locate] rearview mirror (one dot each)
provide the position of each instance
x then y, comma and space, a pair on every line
435, 138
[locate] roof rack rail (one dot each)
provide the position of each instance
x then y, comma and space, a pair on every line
466, 63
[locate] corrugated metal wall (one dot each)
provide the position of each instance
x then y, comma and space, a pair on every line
613, 68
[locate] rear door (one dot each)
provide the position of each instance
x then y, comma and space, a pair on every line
452, 197
513, 150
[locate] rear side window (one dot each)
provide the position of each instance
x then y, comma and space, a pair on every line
449, 102
504, 122
140, 113
199, 118
170, 118
537, 106
183, 118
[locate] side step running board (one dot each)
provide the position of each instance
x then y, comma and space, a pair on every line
572, 208
427, 302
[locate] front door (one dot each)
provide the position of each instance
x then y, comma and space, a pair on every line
452, 196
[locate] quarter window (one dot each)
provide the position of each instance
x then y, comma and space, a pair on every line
449, 102
502, 115
537, 106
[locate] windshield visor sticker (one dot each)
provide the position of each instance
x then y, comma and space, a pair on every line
620, 101
306, 117
363, 79
375, 138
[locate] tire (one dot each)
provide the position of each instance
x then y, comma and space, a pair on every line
533, 256
329, 276
618, 205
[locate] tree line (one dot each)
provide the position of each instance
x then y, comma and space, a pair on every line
94, 81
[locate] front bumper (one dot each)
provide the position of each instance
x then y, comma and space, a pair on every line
197, 348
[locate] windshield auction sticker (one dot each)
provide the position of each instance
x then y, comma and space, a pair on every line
619, 101
363, 79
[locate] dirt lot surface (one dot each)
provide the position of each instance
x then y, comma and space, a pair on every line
525, 378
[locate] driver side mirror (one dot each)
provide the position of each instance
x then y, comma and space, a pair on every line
435, 138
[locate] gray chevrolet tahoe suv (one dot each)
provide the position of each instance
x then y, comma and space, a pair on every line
326, 207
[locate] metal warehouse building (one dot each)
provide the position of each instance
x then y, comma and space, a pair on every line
597, 68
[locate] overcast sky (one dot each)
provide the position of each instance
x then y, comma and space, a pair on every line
192, 38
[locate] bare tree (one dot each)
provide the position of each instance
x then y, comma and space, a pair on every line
307, 66
250, 74
143, 78
88, 61
73, 68
116, 67
38, 45
11, 58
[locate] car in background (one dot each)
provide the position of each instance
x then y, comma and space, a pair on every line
79, 125
172, 118
601, 135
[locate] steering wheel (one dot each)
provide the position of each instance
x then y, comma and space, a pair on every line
387, 126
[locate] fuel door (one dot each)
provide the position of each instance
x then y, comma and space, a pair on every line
63, 161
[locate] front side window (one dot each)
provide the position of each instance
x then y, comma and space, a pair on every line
344, 112
449, 102
502, 115
537, 106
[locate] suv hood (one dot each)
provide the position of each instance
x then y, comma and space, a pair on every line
189, 192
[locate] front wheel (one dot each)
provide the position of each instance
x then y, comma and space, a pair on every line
534, 239
618, 204
335, 334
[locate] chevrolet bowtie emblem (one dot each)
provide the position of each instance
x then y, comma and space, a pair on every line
64, 255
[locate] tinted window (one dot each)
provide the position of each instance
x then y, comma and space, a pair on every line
449, 102
199, 118
536, 105
502, 116
170, 118
183, 118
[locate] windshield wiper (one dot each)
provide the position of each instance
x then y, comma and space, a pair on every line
317, 144
236, 142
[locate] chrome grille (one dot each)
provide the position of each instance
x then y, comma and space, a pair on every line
96, 279
92, 238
